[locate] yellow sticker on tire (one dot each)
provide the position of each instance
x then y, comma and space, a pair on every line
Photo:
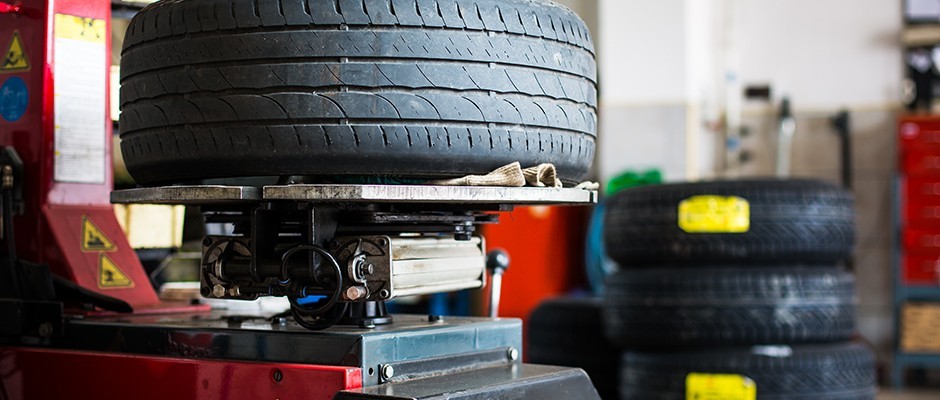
699, 386
714, 214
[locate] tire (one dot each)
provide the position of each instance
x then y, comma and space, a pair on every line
790, 221
668, 307
569, 332
843, 371
407, 88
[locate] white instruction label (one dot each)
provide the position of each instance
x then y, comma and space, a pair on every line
80, 75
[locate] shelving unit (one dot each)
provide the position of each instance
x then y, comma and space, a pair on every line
917, 232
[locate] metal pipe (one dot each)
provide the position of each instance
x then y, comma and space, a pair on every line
786, 131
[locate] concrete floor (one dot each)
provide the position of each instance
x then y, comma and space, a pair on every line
886, 394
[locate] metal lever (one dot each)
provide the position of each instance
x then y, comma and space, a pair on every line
497, 262
7, 8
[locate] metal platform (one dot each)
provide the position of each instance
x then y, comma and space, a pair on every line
332, 194
412, 343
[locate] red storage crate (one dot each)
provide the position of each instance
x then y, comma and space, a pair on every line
920, 164
921, 243
920, 270
920, 204
919, 133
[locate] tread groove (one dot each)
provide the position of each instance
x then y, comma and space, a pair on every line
359, 82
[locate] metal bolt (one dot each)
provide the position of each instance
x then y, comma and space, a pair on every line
279, 321
384, 293
206, 241
513, 354
45, 329
366, 269
7, 177
356, 292
383, 242
218, 291
388, 371
234, 292
278, 375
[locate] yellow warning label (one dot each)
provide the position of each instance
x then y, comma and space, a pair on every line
80, 28
15, 58
714, 214
93, 239
110, 275
719, 387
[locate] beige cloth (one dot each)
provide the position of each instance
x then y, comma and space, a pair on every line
542, 175
588, 185
507, 175
513, 175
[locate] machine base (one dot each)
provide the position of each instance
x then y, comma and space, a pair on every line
237, 356
260, 338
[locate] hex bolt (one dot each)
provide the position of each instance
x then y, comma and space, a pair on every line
384, 293
366, 269
356, 293
7, 177
388, 371
45, 329
234, 292
218, 291
513, 354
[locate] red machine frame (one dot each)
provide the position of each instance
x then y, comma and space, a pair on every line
51, 229
107, 376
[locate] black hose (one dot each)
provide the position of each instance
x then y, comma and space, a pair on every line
11, 240
319, 322
323, 316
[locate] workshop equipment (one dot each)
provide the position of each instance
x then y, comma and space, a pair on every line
54, 97
337, 252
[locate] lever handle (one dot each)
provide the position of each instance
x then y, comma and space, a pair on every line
497, 262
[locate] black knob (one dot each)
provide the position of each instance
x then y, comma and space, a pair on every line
497, 261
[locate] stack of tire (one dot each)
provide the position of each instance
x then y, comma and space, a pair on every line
736, 282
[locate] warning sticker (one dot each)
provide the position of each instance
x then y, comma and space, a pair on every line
14, 98
14, 58
110, 275
714, 214
719, 387
93, 239
81, 73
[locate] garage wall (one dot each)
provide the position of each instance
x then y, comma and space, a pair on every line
665, 67
827, 55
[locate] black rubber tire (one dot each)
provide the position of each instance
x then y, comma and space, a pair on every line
416, 88
670, 307
790, 221
568, 332
843, 371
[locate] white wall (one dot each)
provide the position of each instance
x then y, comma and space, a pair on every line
823, 53
643, 52
643, 86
